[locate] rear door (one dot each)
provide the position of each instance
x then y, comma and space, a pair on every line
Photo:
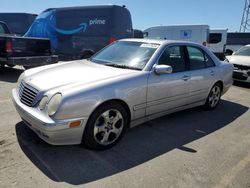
202, 72
169, 91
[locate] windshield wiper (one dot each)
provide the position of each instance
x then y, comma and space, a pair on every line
121, 66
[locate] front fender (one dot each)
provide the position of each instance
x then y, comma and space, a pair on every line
81, 103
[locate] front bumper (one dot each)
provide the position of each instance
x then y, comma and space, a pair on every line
241, 75
51, 131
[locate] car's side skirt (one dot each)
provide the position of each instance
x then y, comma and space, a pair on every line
160, 114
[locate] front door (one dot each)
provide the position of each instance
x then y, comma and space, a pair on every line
169, 91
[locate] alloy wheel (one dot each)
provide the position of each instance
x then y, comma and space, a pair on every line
108, 127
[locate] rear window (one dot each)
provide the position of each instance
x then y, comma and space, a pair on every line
215, 38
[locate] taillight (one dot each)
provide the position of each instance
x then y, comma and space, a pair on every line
8, 46
204, 43
111, 39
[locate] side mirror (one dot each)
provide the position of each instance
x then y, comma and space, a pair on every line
163, 69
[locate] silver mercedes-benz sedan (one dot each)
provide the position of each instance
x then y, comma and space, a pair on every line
129, 82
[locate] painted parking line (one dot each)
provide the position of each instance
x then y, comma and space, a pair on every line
229, 177
6, 100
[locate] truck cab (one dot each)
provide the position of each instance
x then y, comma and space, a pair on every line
217, 42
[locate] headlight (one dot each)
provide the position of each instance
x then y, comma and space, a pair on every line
54, 104
43, 102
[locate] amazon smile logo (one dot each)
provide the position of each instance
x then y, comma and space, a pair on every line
82, 27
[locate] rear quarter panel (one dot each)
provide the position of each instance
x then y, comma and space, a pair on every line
225, 70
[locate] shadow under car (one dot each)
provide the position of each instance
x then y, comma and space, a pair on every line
77, 165
8, 74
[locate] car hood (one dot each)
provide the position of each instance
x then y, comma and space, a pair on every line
72, 73
239, 60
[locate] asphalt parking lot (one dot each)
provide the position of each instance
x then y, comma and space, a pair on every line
192, 148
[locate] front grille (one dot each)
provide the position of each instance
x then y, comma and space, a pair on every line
27, 94
241, 67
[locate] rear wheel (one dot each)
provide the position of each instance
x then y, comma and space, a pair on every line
213, 97
106, 126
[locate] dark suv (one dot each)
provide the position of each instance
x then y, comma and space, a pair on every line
18, 23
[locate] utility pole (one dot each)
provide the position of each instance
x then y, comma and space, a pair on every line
245, 22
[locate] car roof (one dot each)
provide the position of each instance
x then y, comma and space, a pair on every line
160, 41
73, 8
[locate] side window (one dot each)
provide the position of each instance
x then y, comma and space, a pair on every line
209, 61
215, 38
174, 57
198, 59
2, 30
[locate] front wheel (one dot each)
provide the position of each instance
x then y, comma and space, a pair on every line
213, 97
106, 126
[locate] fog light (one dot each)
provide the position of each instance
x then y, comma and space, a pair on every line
75, 124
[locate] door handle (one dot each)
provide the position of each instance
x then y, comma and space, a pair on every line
212, 73
185, 78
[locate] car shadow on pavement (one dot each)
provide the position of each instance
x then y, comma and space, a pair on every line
8, 74
77, 165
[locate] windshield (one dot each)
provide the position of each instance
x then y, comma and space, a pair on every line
244, 51
122, 54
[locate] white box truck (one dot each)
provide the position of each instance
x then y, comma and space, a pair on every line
194, 33
217, 41
214, 39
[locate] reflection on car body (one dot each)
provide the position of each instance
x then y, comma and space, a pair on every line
127, 83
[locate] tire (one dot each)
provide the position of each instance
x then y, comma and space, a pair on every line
106, 126
214, 96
